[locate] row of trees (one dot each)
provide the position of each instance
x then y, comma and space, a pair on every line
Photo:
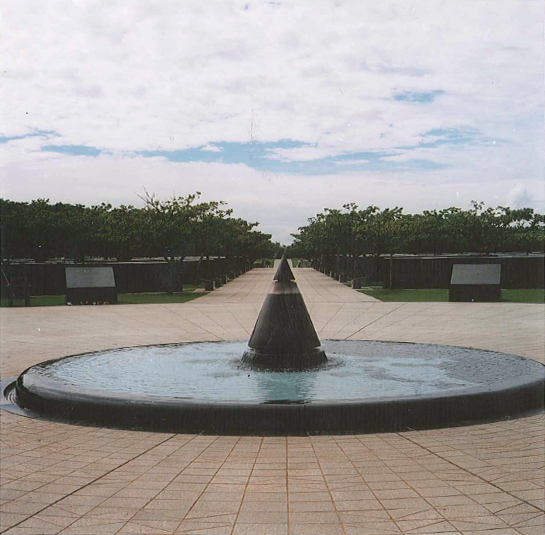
353, 232
172, 229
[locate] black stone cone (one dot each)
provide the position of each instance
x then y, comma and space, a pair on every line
284, 272
284, 337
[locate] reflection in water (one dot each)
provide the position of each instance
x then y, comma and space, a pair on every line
280, 386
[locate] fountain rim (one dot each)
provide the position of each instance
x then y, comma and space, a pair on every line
92, 393
469, 405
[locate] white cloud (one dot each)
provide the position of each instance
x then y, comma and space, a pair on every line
129, 75
519, 197
211, 148
351, 162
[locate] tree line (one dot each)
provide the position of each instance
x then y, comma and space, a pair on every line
171, 229
353, 232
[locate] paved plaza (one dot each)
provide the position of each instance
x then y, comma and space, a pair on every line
57, 478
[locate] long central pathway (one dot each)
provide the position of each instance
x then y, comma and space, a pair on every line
477, 480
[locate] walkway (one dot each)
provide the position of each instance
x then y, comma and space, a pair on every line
56, 478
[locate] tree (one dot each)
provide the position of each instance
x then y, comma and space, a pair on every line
336, 234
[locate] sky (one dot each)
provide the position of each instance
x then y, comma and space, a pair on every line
280, 108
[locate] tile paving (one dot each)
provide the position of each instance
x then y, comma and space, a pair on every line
56, 478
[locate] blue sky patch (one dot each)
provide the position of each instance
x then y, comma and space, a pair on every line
450, 136
229, 152
37, 133
447, 136
73, 150
257, 155
418, 97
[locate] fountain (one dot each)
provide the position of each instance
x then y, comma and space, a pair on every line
284, 337
283, 384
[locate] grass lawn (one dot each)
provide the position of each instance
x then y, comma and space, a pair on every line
136, 299
123, 299
410, 296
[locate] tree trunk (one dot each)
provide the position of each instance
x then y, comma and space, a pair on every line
182, 273
391, 270
171, 276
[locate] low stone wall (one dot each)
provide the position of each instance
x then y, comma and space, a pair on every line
130, 277
428, 272
518, 271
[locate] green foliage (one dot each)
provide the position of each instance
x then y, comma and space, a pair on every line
372, 231
172, 228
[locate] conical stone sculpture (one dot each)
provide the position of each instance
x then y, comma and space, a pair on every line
284, 337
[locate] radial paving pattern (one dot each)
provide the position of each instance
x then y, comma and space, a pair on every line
77, 480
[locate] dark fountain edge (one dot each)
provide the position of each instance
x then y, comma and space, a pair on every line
175, 415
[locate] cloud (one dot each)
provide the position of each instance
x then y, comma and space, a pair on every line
351, 162
211, 148
120, 75
519, 197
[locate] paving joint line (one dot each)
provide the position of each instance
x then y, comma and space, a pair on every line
374, 493
469, 472
193, 323
247, 485
151, 468
415, 459
378, 319
208, 484
361, 313
87, 484
88, 431
287, 482
235, 318
327, 483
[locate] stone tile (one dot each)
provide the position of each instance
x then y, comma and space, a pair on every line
85, 526
205, 528
359, 505
261, 529
146, 527
372, 528
300, 507
7, 520
316, 529
314, 517
262, 517
278, 507
266, 496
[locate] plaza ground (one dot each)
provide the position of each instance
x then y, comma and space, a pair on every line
483, 479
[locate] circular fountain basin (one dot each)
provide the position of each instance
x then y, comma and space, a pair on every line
203, 387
